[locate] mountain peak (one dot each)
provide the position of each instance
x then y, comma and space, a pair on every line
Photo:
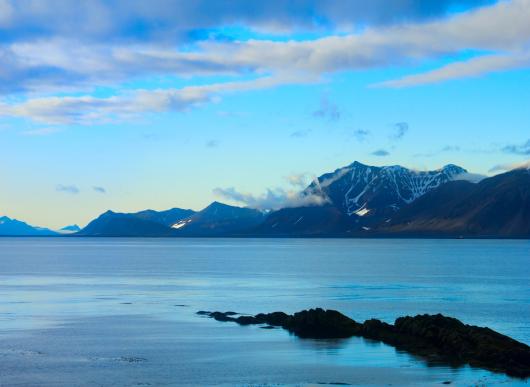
360, 189
13, 227
357, 164
70, 229
453, 169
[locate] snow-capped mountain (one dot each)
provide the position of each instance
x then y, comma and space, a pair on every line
367, 191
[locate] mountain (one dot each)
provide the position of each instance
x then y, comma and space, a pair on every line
112, 224
219, 219
498, 206
358, 201
375, 192
359, 198
144, 223
324, 220
215, 220
69, 229
167, 218
13, 227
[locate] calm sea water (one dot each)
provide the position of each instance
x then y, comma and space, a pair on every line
121, 312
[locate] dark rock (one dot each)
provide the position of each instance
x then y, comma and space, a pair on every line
431, 336
219, 316
477, 346
321, 324
246, 320
277, 319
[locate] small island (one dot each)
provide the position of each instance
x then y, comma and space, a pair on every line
434, 337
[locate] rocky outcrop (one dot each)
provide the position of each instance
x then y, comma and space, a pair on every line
435, 337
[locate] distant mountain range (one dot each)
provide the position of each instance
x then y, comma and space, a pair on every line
13, 227
215, 220
354, 201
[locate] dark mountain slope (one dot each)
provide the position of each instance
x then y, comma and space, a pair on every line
167, 218
13, 227
496, 207
219, 219
111, 224
306, 221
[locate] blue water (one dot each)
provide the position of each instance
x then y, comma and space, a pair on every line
121, 312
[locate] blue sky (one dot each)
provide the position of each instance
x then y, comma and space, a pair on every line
119, 105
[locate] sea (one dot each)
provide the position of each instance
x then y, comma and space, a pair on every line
123, 312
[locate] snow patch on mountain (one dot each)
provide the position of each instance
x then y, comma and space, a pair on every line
363, 190
181, 224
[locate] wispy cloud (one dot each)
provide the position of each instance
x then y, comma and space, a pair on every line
361, 134
471, 177
300, 180
69, 189
272, 199
100, 190
450, 148
399, 130
327, 110
301, 133
510, 166
473, 67
275, 198
88, 109
518, 149
447, 148
380, 153
41, 131
212, 143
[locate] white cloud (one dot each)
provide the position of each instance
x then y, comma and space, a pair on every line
471, 177
89, 109
471, 68
49, 63
374, 47
171, 21
6, 13
510, 166
272, 199
69, 189
298, 179
276, 198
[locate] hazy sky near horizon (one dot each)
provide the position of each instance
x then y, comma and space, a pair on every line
128, 105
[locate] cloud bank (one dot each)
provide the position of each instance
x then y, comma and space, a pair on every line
52, 48
272, 199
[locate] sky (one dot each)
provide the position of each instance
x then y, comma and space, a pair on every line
128, 105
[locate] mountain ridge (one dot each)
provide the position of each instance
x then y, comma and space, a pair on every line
358, 201
14, 227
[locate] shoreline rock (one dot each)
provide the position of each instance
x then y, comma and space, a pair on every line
445, 339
